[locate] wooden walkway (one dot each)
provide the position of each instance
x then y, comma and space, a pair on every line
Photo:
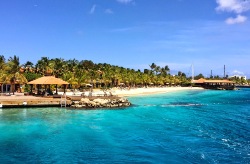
14, 101
20, 101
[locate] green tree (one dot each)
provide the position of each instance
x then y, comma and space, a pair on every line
13, 76
198, 76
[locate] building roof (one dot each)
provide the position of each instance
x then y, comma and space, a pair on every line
218, 81
201, 81
48, 80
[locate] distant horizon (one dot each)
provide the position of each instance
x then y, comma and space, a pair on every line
131, 33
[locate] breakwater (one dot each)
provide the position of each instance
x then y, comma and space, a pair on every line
59, 101
104, 102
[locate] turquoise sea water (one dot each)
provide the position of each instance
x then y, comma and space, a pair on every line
184, 127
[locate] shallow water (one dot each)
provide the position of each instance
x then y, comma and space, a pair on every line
185, 127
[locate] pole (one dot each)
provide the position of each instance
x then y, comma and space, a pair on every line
192, 73
224, 71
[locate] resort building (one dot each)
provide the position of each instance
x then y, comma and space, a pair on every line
239, 77
5, 88
214, 84
10, 88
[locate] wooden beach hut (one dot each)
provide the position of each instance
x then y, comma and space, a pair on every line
48, 80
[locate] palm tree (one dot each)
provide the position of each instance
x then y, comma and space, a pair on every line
13, 64
157, 69
57, 65
27, 67
85, 71
2, 63
13, 76
2, 69
166, 69
153, 66
42, 66
71, 65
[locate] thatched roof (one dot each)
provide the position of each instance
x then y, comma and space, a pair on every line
48, 80
15, 78
201, 81
218, 81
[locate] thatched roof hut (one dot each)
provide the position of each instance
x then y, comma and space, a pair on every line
48, 80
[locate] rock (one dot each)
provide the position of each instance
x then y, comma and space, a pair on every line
98, 100
91, 104
100, 103
75, 102
123, 100
85, 100
78, 106
114, 105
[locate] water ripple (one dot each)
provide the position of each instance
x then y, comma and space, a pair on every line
188, 127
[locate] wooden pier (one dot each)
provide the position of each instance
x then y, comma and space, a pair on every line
17, 101
14, 101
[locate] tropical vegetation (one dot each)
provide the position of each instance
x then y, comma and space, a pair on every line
85, 72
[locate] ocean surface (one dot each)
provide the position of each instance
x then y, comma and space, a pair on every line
198, 126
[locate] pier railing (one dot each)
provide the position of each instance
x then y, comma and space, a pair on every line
63, 100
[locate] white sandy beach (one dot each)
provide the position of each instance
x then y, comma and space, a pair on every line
132, 92
113, 91
148, 91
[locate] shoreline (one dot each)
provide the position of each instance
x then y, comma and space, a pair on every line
32, 101
150, 91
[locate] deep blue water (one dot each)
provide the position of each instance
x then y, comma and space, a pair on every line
184, 127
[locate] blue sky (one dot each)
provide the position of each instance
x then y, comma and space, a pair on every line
131, 33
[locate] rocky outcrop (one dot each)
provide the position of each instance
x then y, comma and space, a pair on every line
101, 103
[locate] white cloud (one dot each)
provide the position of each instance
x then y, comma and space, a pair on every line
92, 10
108, 11
234, 6
237, 6
124, 1
236, 72
238, 19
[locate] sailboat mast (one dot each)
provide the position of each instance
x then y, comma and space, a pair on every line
192, 74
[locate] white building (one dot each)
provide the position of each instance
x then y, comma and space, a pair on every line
238, 76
